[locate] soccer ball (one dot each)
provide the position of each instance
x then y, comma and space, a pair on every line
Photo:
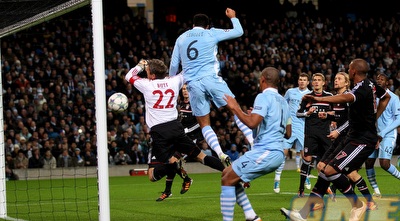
118, 102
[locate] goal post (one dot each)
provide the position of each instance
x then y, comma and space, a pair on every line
101, 110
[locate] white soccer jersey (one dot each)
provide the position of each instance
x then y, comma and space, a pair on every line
160, 96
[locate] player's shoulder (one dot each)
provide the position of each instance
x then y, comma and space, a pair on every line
327, 93
289, 90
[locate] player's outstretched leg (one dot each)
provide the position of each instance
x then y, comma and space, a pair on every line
212, 141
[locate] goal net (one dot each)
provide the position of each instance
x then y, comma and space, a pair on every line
72, 193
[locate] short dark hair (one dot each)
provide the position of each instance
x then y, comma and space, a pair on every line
201, 20
383, 75
158, 68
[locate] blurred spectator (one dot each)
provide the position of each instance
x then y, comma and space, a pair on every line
10, 161
113, 148
233, 153
9, 168
125, 142
121, 158
21, 161
245, 148
205, 149
136, 155
64, 159
49, 161
90, 158
15, 151
77, 158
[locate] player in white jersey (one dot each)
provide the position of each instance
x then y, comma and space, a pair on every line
293, 97
272, 116
161, 93
387, 129
195, 50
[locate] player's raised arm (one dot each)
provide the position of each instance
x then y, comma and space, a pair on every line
135, 70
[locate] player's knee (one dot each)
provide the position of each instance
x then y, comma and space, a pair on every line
159, 171
369, 163
320, 166
329, 170
385, 164
226, 179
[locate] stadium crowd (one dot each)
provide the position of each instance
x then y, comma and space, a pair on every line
48, 79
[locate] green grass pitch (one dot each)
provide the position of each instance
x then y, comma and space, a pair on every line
134, 198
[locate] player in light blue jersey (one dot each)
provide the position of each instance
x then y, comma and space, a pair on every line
293, 97
387, 129
196, 51
271, 116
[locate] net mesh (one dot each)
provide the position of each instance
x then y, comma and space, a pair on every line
17, 15
59, 194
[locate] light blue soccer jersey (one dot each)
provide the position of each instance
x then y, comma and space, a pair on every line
387, 124
390, 118
293, 97
267, 153
272, 106
196, 50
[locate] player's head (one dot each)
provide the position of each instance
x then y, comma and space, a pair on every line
269, 78
201, 20
185, 92
342, 80
358, 66
156, 69
318, 82
382, 80
303, 80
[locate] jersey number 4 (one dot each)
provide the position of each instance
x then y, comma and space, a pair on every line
161, 97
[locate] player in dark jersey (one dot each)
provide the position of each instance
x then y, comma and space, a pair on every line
189, 121
316, 129
360, 142
340, 117
338, 134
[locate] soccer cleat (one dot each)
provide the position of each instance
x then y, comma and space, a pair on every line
164, 196
225, 159
312, 176
377, 195
298, 170
331, 194
356, 213
255, 219
318, 206
277, 189
293, 215
186, 186
307, 183
372, 206
300, 194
